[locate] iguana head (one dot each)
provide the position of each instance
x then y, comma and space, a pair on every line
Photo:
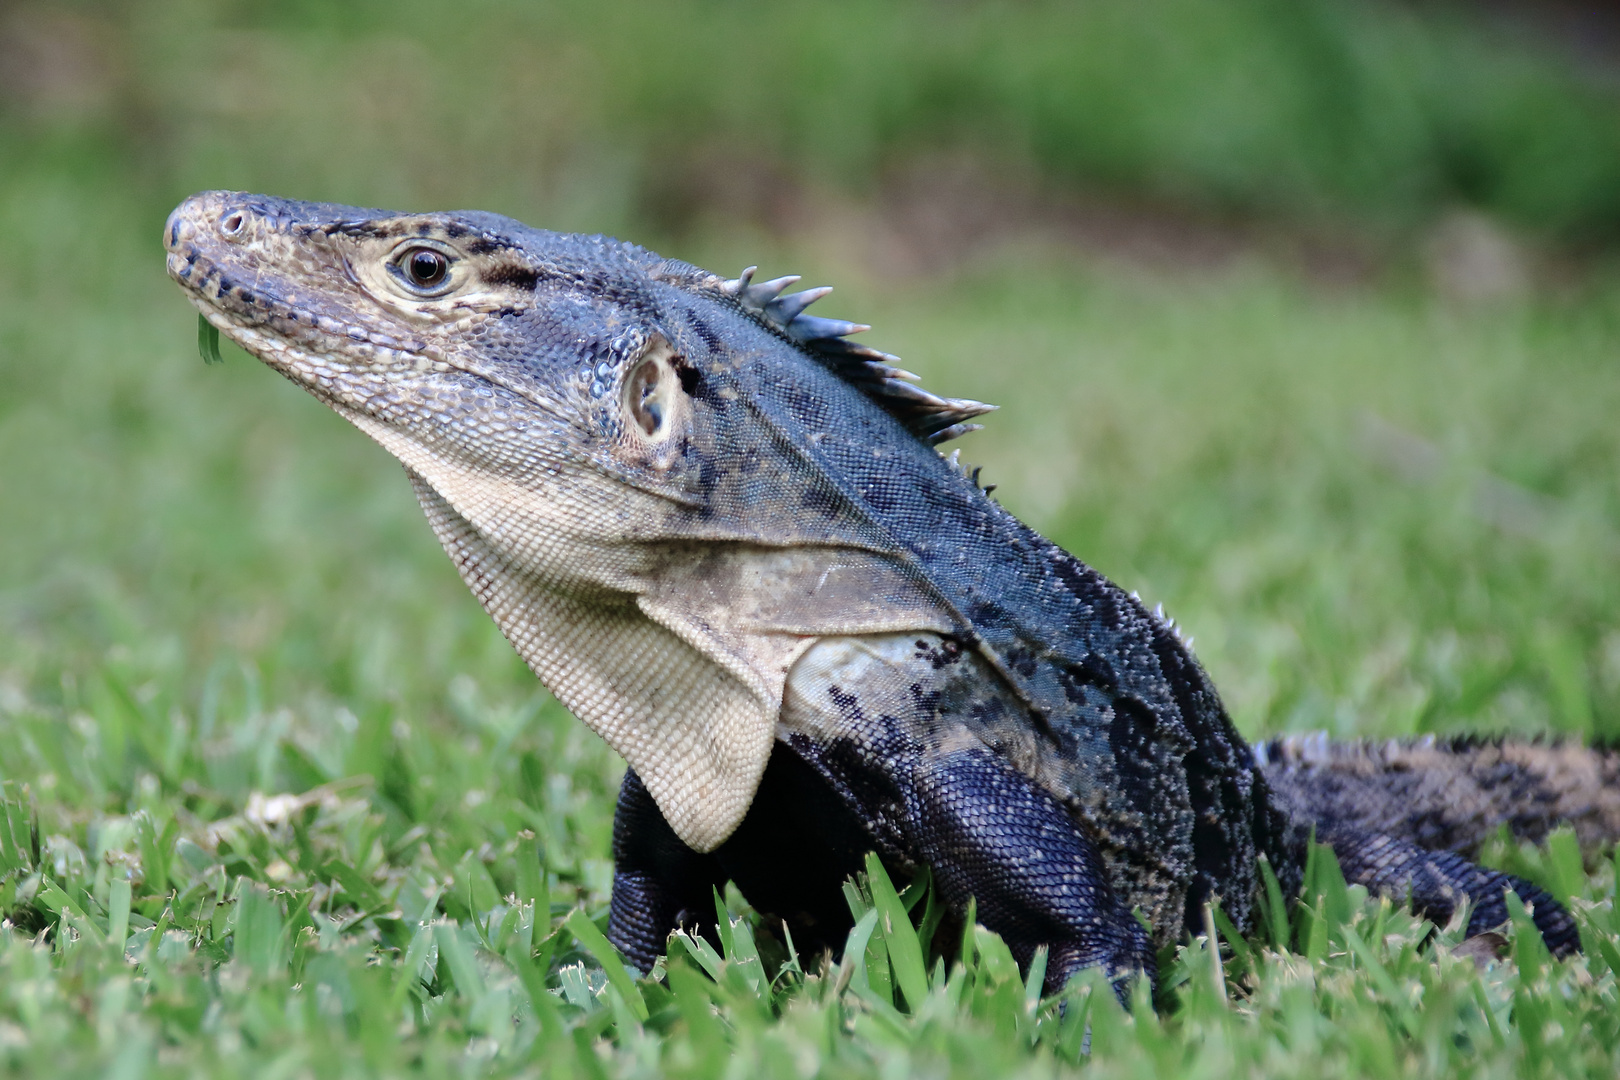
623, 454
468, 336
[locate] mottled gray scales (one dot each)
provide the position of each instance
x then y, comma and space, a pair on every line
1451, 795
716, 528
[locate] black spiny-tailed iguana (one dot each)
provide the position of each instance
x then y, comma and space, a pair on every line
720, 533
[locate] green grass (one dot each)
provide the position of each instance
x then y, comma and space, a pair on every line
216, 594
279, 800
304, 937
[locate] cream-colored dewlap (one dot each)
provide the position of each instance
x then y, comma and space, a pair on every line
676, 654
697, 735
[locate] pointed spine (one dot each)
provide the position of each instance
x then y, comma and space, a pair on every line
736, 285
932, 418
758, 298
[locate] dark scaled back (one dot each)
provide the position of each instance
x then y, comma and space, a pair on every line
1137, 738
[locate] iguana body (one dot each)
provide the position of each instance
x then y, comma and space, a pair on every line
720, 534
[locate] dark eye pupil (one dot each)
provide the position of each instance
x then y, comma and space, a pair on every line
426, 267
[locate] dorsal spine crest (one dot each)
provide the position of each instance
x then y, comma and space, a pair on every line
932, 418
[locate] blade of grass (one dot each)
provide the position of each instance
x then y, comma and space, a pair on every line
459, 959
583, 929
969, 920
531, 972
208, 341
1217, 973
1035, 980
1234, 939
700, 950
722, 925
708, 1035
531, 880
1382, 979
410, 970
118, 894
905, 952
155, 847
1274, 907
259, 938
852, 970
1567, 873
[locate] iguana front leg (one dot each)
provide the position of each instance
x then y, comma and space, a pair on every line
904, 728
798, 844
988, 832
659, 884
880, 750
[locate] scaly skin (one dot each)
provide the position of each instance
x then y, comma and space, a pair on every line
718, 532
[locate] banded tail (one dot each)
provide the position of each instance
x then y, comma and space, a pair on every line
1406, 816
1449, 794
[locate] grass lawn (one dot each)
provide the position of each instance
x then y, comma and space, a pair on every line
279, 801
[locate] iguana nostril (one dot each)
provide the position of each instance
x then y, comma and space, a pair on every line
232, 224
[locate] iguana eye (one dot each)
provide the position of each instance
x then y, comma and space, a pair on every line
423, 269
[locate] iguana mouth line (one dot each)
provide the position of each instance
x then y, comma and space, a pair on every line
247, 307
277, 331
300, 344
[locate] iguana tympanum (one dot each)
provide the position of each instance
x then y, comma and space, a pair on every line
721, 534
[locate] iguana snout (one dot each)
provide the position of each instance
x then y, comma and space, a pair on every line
322, 291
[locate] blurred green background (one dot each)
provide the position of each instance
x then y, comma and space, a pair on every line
1303, 315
